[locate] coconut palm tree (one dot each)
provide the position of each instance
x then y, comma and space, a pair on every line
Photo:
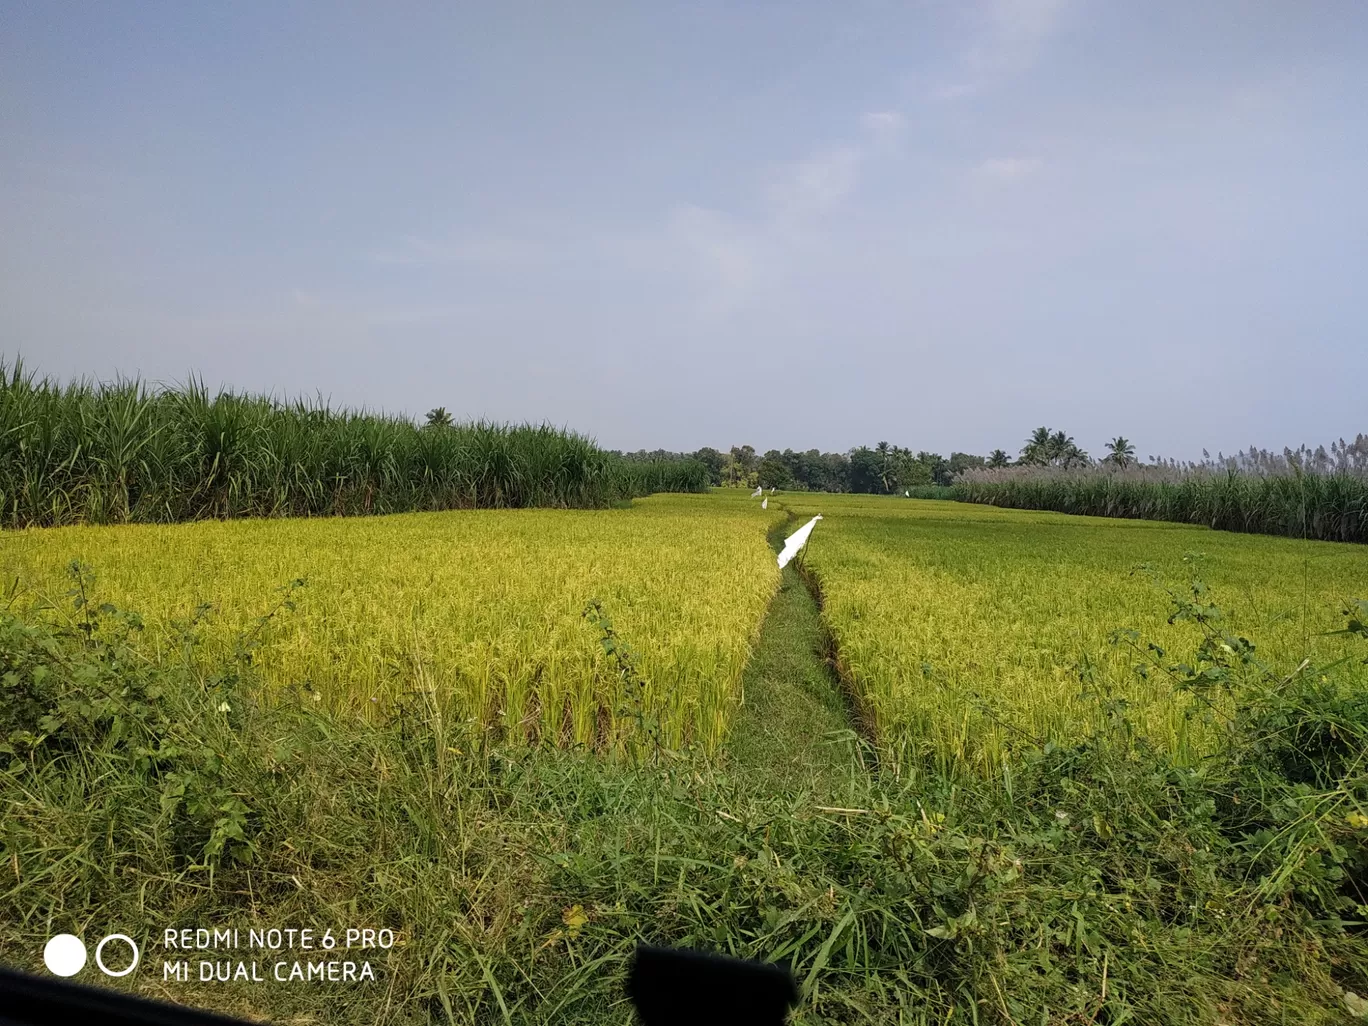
1046, 448
1059, 447
439, 418
1064, 452
888, 465
1120, 452
998, 458
1036, 451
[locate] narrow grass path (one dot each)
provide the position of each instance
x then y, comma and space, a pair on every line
793, 728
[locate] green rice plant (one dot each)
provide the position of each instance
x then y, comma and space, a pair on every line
481, 606
962, 630
122, 452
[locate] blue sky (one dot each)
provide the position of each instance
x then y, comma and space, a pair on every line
797, 224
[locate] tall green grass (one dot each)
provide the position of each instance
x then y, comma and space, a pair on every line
126, 452
1296, 501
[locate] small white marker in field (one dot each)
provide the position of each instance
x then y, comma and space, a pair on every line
764, 503
908, 494
795, 542
757, 493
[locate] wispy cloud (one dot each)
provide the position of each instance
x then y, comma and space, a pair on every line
1006, 38
1007, 169
884, 126
819, 182
1016, 33
727, 255
739, 254
730, 255
954, 90
814, 185
499, 251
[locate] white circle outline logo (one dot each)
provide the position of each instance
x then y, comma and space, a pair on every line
99, 951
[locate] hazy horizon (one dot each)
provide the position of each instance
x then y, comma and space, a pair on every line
672, 226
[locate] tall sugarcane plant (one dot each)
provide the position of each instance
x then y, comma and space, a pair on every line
124, 451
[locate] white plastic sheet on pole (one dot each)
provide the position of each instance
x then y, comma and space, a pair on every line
795, 542
757, 493
764, 503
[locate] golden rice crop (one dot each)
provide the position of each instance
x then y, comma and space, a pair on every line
483, 605
931, 603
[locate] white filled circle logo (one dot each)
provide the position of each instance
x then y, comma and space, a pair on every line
65, 954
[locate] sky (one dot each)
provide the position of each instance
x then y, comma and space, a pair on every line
670, 225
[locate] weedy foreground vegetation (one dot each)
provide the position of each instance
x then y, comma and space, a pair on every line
482, 607
964, 629
1099, 876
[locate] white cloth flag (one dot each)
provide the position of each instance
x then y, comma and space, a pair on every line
794, 542
756, 494
764, 503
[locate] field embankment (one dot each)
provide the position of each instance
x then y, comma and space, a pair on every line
125, 453
794, 727
1327, 506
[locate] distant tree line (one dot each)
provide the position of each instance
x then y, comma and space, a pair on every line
882, 469
885, 469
